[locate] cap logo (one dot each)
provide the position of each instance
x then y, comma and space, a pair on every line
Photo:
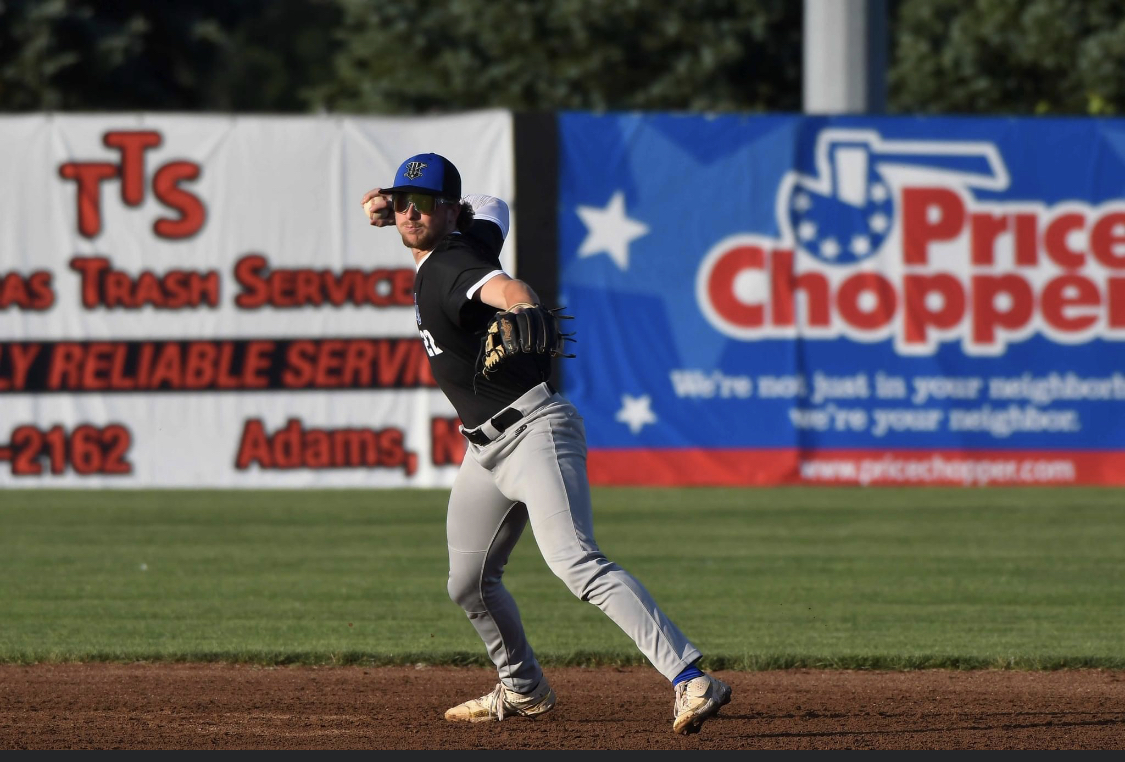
414, 170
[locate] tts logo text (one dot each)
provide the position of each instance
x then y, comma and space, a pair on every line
131, 147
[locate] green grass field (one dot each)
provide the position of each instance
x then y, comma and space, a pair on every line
763, 578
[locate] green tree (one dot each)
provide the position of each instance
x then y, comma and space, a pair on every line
1008, 56
415, 56
213, 55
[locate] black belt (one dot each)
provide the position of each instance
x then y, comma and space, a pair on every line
502, 421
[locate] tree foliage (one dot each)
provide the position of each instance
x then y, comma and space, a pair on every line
1008, 56
422, 56
698, 55
216, 55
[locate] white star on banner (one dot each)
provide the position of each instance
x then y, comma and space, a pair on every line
635, 412
861, 245
610, 230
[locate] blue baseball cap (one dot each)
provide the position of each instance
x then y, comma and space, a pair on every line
428, 173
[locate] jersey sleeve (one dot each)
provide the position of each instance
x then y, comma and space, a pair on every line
464, 271
490, 221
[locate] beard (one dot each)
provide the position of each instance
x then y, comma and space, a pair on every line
422, 239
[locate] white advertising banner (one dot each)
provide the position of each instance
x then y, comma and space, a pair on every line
199, 301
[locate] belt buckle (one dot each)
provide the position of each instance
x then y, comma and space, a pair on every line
477, 437
505, 419
502, 421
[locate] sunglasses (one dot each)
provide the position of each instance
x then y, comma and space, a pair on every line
423, 202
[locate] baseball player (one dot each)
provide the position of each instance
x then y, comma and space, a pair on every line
489, 343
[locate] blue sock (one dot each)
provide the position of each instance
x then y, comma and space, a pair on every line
690, 673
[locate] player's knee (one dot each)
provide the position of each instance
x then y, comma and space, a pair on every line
464, 590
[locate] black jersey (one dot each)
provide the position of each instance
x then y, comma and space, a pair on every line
452, 321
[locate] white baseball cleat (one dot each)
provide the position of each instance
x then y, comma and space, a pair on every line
502, 702
696, 700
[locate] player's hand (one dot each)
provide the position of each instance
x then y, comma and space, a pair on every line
377, 207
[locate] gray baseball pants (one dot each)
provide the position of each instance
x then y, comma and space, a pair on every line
536, 470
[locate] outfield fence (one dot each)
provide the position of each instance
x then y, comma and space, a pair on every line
198, 301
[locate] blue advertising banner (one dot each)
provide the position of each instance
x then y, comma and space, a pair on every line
772, 299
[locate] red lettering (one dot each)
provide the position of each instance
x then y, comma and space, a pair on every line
282, 284
1027, 250
166, 187
417, 361
287, 445
91, 270
1107, 240
986, 228
95, 369
102, 285
289, 288
132, 146
13, 290
329, 361
987, 317
1116, 299
882, 309
169, 367
255, 366
225, 378
720, 286
784, 285
379, 287
66, 366
144, 364
31, 293
1065, 292
307, 288
919, 315
116, 287
447, 446
337, 289
375, 287
254, 447
246, 273
176, 289
355, 447
1054, 239
22, 358
199, 370
299, 364
117, 377
204, 288
148, 290
357, 363
403, 291
394, 357
88, 175
929, 215
392, 453
43, 296
294, 446
318, 449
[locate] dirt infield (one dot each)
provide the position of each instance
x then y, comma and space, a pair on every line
184, 706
